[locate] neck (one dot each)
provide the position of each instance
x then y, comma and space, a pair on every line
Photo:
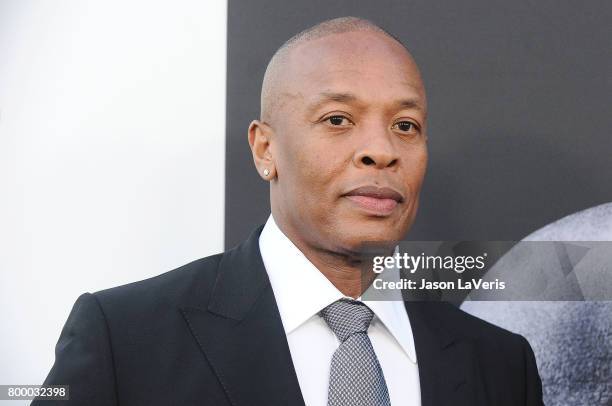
345, 270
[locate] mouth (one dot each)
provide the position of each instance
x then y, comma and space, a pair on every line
379, 201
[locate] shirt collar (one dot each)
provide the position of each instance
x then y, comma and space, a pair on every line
295, 280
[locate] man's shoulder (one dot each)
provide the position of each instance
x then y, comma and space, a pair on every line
173, 287
465, 325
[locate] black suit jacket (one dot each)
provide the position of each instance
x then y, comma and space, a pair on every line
209, 333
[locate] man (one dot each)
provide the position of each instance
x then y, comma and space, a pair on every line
278, 320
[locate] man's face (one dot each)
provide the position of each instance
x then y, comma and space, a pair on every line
349, 143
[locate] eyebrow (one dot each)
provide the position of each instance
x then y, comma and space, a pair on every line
325, 97
337, 97
411, 104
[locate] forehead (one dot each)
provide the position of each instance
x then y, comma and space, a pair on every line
367, 64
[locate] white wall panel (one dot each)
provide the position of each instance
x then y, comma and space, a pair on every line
112, 145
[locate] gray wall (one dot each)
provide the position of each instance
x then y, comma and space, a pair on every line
520, 107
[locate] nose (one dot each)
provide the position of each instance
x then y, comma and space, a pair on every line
377, 151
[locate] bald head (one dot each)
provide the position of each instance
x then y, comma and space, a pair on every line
277, 72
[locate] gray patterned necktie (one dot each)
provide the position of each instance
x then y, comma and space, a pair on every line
356, 378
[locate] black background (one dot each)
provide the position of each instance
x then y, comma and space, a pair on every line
520, 107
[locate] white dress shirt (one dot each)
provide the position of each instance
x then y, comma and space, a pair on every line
301, 291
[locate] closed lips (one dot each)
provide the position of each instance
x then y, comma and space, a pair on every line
381, 201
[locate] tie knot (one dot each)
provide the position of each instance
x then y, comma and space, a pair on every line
346, 317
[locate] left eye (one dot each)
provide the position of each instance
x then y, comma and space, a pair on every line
338, 120
404, 126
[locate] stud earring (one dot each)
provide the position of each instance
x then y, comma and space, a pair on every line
266, 172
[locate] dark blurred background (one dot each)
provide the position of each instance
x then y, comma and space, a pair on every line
520, 116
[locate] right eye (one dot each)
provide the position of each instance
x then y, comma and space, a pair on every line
337, 120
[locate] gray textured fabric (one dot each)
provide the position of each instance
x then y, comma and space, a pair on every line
356, 377
572, 341
594, 224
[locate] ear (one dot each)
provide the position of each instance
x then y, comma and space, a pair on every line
260, 136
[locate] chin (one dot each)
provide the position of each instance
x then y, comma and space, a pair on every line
355, 234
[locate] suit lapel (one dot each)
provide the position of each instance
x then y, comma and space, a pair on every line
447, 362
241, 334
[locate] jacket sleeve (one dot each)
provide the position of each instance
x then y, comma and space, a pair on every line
83, 358
533, 384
